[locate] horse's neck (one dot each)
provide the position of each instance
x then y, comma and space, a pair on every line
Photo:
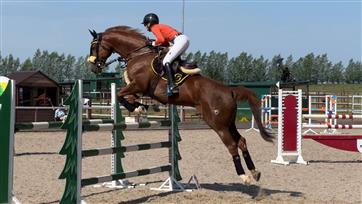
124, 46
142, 61
142, 64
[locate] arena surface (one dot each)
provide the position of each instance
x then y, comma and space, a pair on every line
333, 176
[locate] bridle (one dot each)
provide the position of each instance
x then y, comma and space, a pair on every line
96, 60
101, 63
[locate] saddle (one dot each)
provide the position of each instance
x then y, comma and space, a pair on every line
181, 68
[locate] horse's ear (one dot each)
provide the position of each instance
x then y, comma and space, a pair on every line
93, 33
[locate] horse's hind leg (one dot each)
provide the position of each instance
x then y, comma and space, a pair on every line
220, 119
241, 141
232, 147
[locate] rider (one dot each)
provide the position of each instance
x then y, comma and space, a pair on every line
164, 36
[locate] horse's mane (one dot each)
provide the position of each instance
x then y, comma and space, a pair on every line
127, 30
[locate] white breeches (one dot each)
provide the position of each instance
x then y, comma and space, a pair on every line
181, 43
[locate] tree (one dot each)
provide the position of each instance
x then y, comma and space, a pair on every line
27, 65
68, 71
240, 68
57, 66
38, 60
336, 73
200, 59
306, 69
353, 72
9, 64
289, 62
2, 67
82, 69
189, 56
259, 69
215, 65
322, 68
273, 71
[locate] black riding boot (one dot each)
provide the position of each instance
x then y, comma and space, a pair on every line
171, 89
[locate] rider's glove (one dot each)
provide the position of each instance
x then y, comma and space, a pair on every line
150, 43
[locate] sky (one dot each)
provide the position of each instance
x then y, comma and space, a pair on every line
267, 28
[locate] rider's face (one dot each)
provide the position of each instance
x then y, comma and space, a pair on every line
148, 26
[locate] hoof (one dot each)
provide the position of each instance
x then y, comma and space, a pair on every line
256, 174
140, 110
245, 179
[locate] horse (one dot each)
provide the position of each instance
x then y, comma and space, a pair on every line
216, 102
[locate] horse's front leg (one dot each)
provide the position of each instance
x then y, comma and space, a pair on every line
131, 105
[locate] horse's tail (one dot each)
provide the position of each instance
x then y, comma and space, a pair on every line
242, 93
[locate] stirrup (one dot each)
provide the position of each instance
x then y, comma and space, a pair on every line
169, 91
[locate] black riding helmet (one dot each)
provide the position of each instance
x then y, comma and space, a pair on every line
150, 19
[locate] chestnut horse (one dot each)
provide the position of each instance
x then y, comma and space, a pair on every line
216, 102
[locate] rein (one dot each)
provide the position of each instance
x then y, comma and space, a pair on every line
131, 55
135, 52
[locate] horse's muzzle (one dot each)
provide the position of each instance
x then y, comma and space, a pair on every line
96, 69
96, 66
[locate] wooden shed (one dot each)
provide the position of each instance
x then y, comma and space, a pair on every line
36, 96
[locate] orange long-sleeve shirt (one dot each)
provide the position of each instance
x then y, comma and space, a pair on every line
164, 34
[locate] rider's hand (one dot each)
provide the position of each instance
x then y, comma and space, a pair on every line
150, 42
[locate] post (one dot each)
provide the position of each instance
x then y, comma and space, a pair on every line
279, 159
72, 146
299, 107
7, 123
334, 105
262, 110
117, 136
114, 117
309, 109
170, 138
310, 113
270, 111
79, 140
289, 134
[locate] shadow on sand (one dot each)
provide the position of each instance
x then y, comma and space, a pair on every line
256, 192
335, 162
34, 153
253, 191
